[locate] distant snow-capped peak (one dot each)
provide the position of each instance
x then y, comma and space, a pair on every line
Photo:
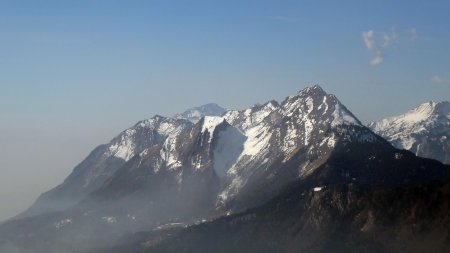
196, 113
423, 130
429, 116
425, 113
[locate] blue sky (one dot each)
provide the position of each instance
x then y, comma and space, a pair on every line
75, 73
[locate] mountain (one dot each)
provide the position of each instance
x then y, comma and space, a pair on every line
424, 130
233, 162
196, 113
184, 173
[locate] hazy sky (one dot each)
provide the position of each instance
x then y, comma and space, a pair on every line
73, 74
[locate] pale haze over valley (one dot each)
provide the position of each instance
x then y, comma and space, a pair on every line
75, 74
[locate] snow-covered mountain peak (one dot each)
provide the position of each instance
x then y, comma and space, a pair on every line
316, 103
307, 111
196, 113
432, 107
313, 90
149, 123
423, 130
420, 113
416, 120
309, 125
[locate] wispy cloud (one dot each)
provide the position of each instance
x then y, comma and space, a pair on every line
437, 79
412, 33
378, 59
389, 38
369, 40
283, 18
377, 42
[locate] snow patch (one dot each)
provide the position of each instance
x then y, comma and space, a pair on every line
342, 117
167, 152
318, 189
258, 139
308, 129
124, 148
63, 223
290, 139
309, 104
227, 150
210, 123
109, 219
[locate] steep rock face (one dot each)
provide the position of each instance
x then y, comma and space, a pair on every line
104, 161
424, 130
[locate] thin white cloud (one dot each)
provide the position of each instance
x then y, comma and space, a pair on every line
386, 40
412, 33
377, 42
368, 38
437, 79
389, 38
378, 59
